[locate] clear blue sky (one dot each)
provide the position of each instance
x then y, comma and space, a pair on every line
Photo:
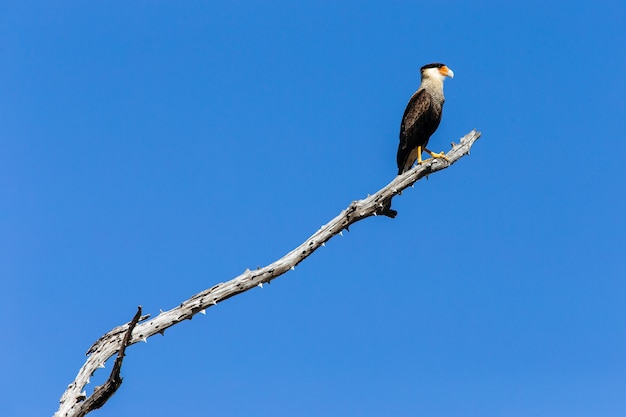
150, 150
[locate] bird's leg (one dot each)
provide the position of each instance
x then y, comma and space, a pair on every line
439, 155
419, 155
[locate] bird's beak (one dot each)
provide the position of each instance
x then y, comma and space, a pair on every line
446, 72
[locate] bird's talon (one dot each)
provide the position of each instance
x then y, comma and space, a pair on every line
440, 155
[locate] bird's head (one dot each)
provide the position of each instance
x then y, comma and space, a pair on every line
436, 71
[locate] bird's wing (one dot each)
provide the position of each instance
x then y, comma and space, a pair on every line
413, 116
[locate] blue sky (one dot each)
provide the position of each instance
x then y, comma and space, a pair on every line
151, 150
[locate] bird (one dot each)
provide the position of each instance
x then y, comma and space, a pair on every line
422, 117
420, 120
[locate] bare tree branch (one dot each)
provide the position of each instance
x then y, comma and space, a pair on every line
74, 399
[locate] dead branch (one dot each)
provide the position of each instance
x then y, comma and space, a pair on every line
74, 401
102, 393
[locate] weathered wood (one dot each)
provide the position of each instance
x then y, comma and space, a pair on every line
102, 393
105, 347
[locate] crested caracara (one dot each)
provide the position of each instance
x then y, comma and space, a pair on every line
422, 116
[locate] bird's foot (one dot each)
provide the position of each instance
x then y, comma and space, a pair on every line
439, 155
